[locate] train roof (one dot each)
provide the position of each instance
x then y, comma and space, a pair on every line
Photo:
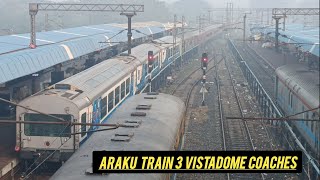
89, 84
54, 47
302, 81
156, 131
86, 86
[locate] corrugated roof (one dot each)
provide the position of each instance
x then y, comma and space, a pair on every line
296, 33
17, 60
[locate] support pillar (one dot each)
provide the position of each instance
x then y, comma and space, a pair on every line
244, 28
129, 16
33, 10
277, 33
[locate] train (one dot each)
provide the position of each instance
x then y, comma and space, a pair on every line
297, 90
160, 129
94, 94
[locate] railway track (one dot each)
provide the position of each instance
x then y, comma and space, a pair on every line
235, 100
259, 67
235, 134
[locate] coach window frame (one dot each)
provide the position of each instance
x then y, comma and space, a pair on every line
128, 86
117, 95
110, 101
83, 127
123, 90
313, 123
290, 99
104, 106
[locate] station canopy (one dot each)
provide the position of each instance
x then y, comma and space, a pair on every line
58, 46
306, 37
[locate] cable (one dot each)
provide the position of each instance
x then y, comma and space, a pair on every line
30, 173
114, 36
10, 102
302, 112
59, 136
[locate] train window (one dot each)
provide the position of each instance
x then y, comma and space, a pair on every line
117, 95
83, 127
53, 130
303, 114
110, 102
127, 86
290, 99
312, 126
103, 105
123, 90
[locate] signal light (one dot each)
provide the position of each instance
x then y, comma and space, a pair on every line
150, 56
204, 60
150, 61
17, 148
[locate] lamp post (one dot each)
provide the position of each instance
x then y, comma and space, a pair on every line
244, 26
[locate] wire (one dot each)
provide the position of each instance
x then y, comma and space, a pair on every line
59, 136
10, 102
114, 36
28, 175
302, 112
150, 35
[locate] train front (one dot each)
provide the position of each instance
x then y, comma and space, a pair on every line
42, 137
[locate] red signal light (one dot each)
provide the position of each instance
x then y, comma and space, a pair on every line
150, 58
17, 148
32, 46
205, 59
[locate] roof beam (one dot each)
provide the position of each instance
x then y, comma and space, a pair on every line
295, 11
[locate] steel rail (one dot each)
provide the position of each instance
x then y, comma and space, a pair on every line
241, 110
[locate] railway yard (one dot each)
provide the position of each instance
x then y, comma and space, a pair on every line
60, 99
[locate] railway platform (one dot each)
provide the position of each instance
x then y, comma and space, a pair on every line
273, 58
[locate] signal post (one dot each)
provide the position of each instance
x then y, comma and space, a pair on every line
204, 65
150, 68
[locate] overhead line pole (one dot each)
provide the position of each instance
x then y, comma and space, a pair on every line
278, 13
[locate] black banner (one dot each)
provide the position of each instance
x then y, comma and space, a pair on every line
197, 162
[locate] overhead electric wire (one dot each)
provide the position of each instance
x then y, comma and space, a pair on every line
10, 102
114, 36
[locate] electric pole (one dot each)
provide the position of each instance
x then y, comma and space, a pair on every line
174, 33
129, 16
277, 32
183, 43
244, 27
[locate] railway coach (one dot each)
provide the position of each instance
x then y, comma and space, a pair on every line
159, 128
297, 90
